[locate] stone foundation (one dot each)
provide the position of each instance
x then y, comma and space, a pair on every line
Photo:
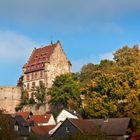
36, 109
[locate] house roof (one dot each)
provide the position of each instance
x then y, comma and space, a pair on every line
135, 135
41, 118
38, 58
111, 127
23, 114
22, 124
42, 130
72, 112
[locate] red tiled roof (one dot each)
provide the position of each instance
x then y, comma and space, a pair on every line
135, 136
38, 58
42, 130
23, 114
40, 118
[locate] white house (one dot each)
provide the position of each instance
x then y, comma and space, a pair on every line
65, 114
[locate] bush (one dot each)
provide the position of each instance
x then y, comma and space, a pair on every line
19, 107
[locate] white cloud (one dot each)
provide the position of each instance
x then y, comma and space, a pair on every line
14, 47
78, 64
108, 55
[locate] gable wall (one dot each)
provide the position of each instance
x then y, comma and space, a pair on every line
61, 131
51, 121
58, 65
65, 114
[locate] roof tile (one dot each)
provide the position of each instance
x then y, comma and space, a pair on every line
38, 58
42, 130
41, 118
23, 114
113, 126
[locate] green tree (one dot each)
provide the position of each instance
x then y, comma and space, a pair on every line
113, 88
127, 56
65, 92
86, 73
101, 96
40, 94
24, 96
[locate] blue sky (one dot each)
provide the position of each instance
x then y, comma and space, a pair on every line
89, 30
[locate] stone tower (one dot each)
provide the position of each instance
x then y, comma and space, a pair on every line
44, 65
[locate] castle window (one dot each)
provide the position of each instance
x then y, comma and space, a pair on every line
41, 74
28, 85
36, 75
32, 76
33, 84
40, 83
28, 77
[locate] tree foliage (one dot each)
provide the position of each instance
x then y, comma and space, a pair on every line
6, 127
86, 73
40, 94
65, 92
24, 96
112, 89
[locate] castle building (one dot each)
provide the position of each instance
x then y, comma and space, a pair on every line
44, 65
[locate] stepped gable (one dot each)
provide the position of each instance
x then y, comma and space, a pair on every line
38, 58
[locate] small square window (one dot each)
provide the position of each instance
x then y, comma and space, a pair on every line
67, 129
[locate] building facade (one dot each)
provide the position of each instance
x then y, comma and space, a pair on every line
44, 65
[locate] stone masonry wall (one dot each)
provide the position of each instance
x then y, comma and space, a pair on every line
36, 109
9, 98
58, 65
